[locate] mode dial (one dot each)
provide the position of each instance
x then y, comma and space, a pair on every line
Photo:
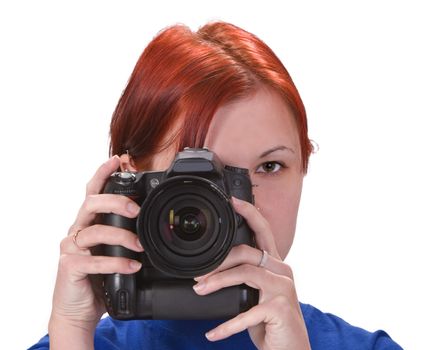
125, 177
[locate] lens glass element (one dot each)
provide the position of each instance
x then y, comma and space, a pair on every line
188, 223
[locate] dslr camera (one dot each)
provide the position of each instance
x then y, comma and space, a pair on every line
187, 227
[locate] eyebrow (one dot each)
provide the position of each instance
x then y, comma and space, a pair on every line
274, 149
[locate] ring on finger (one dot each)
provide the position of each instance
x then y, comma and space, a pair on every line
75, 235
264, 259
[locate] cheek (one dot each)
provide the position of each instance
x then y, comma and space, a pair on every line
279, 205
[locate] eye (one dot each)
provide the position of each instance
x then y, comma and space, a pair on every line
270, 167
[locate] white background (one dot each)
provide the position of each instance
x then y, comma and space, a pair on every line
361, 70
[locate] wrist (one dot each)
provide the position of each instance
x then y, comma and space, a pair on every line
68, 334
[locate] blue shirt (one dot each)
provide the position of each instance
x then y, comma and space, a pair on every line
326, 331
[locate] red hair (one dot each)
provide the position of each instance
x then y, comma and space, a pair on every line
191, 74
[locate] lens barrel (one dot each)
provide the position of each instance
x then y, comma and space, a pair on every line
187, 226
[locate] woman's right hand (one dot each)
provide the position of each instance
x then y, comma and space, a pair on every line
77, 300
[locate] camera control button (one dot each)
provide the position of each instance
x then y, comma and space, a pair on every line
125, 178
154, 183
123, 301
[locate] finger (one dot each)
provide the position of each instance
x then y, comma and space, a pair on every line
279, 312
244, 254
258, 314
263, 235
105, 203
256, 277
70, 245
97, 182
101, 234
77, 267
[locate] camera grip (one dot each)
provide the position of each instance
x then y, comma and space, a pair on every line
120, 295
119, 289
122, 222
159, 301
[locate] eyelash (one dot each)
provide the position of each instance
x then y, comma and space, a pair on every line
273, 173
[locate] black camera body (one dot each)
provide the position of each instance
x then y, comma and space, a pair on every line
187, 227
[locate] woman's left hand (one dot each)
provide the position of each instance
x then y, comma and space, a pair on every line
276, 322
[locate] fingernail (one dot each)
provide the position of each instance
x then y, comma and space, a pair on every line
138, 243
210, 335
236, 201
202, 277
199, 286
133, 208
135, 265
112, 159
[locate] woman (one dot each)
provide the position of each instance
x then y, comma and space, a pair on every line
224, 89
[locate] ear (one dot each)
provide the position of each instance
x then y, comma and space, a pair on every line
127, 163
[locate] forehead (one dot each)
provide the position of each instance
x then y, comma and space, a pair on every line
252, 125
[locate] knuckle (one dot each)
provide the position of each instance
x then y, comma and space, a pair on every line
287, 288
96, 263
246, 206
241, 317
280, 301
103, 168
66, 262
122, 203
247, 268
123, 235
85, 204
241, 251
96, 232
224, 329
117, 235
89, 186
123, 265
64, 244
88, 203
125, 201
116, 202
73, 228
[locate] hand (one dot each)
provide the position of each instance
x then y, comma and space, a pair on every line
276, 322
77, 299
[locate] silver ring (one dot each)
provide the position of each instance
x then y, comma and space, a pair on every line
264, 259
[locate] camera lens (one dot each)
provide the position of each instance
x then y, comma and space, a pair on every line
187, 226
188, 223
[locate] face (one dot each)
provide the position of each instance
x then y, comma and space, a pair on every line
259, 133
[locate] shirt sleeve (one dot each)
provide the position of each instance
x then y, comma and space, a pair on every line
43, 344
327, 331
383, 342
